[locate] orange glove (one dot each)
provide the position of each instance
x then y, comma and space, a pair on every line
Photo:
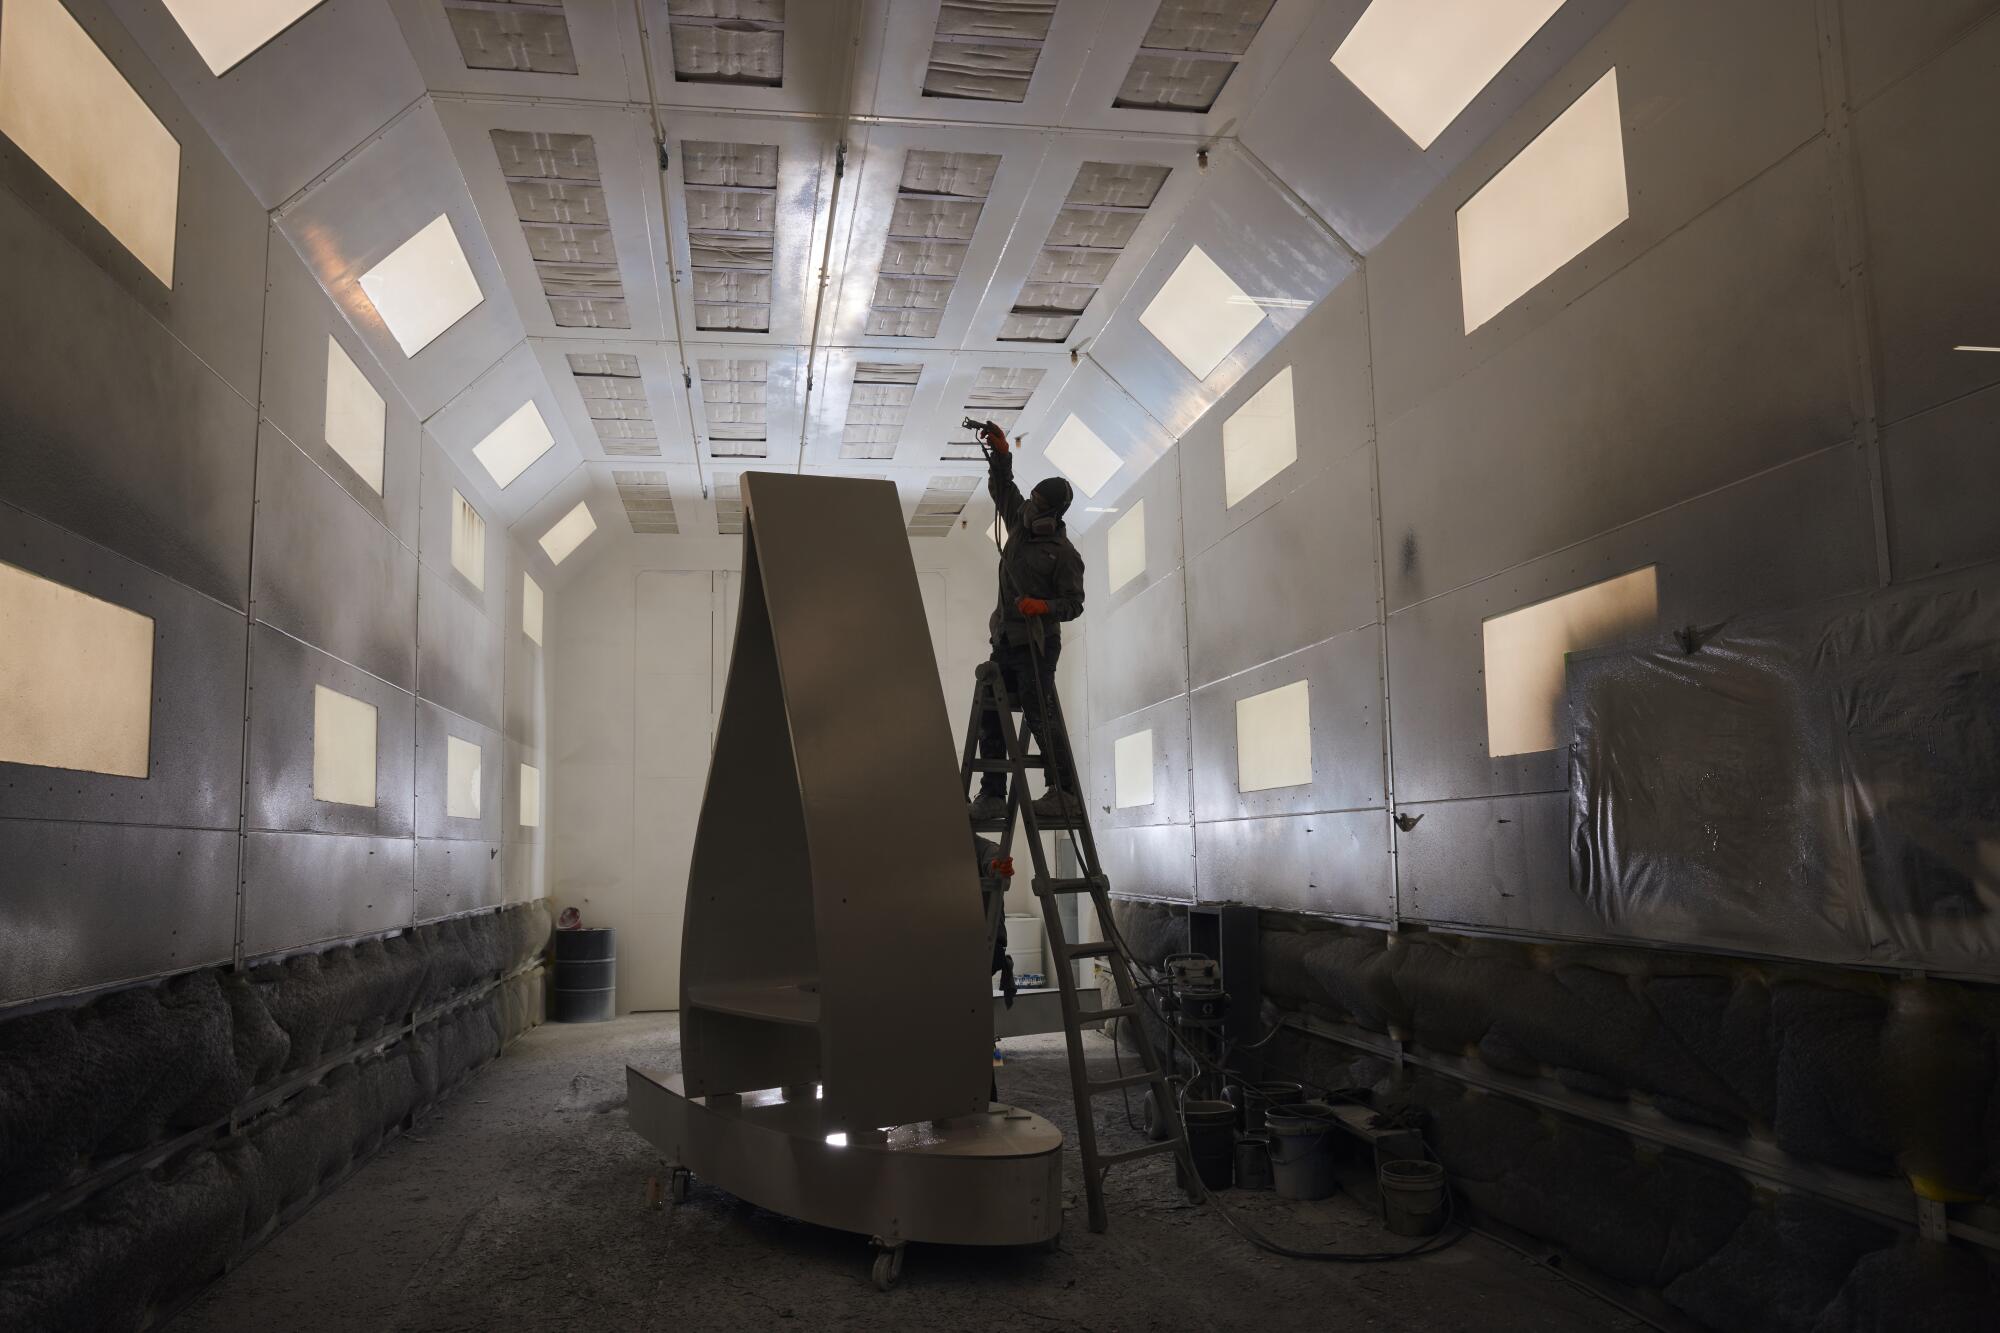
996, 439
1031, 606
1004, 866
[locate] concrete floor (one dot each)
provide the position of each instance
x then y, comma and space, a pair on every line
521, 1204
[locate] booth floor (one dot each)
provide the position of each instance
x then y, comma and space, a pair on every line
523, 1203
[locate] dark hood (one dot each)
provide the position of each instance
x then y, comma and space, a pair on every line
1052, 497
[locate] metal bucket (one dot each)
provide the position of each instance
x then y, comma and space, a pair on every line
1302, 1141
1412, 1196
1211, 1140
1253, 1162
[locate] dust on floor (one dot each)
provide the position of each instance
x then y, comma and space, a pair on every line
521, 1203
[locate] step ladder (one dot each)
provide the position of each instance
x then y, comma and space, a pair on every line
990, 695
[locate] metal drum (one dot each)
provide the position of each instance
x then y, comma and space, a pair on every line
585, 986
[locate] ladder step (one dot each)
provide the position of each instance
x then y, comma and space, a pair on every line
1102, 949
1105, 1161
1084, 885
1096, 1015
1137, 1080
1003, 766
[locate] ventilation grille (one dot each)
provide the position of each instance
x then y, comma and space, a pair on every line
728, 506
1189, 53
526, 38
560, 202
733, 395
999, 395
878, 407
648, 500
986, 50
615, 397
942, 505
728, 41
937, 207
1104, 207
732, 213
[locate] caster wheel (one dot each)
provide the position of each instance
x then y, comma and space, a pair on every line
888, 1267
682, 1182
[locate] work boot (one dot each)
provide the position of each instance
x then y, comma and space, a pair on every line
1062, 806
989, 807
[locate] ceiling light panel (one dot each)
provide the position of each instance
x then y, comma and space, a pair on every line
615, 397
1421, 62
1200, 314
648, 501
559, 198
734, 397
568, 533
223, 32
878, 407
728, 41
731, 194
423, 287
938, 200
524, 38
986, 50
1189, 52
1099, 216
1079, 454
942, 505
514, 445
1000, 395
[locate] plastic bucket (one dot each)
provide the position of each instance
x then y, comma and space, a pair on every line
1211, 1139
1254, 1099
1412, 1196
1253, 1162
1302, 1136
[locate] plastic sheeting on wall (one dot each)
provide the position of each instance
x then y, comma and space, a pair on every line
1823, 783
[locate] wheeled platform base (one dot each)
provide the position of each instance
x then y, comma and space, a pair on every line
992, 1179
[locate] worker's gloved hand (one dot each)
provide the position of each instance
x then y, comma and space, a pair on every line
1004, 866
1031, 606
996, 439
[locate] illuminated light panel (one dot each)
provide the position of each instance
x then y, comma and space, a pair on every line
531, 796
1526, 653
1080, 455
69, 109
569, 532
423, 287
224, 32
514, 445
1968, 347
343, 748
1560, 195
1125, 547
1200, 314
531, 608
468, 541
1259, 439
1421, 62
357, 420
1274, 738
76, 679
461, 778
1132, 770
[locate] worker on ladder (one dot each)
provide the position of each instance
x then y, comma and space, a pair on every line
1041, 585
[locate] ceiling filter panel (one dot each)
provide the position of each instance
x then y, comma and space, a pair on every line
733, 394
559, 199
648, 500
1099, 216
731, 192
999, 395
986, 50
938, 203
878, 407
615, 397
1189, 52
526, 38
728, 41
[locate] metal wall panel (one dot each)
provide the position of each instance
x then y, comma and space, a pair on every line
279, 791
1172, 759
1344, 687
1926, 152
326, 571
1500, 863
1889, 39
1940, 473
110, 426
523, 872
459, 657
1793, 535
305, 888
1159, 489
1334, 864
1333, 411
298, 319
525, 715
1151, 861
1302, 571
1760, 99
1723, 352
91, 904
1139, 652
197, 723
454, 877
434, 726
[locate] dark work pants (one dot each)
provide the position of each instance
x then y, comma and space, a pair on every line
1017, 669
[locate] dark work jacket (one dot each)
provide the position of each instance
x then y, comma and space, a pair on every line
1032, 564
